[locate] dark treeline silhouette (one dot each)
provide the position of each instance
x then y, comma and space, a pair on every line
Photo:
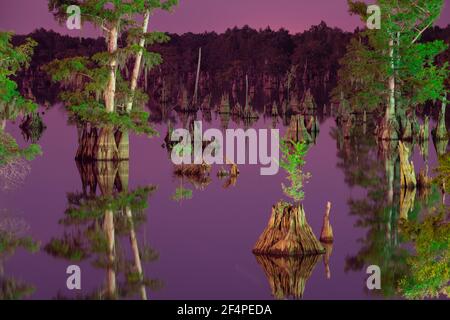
278, 64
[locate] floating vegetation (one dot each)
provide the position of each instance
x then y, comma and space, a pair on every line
182, 193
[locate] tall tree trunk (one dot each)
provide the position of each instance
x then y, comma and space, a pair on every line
3, 125
106, 148
137, 63
198, 76
110, 90
388, 128
391, 110
441, 130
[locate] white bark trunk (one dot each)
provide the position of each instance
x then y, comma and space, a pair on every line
137, 63
391, 110
110, 91
3, 125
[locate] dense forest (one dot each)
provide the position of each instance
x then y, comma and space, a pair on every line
273, 60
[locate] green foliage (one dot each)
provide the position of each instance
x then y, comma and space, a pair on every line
10, 151
88, 77
10, 242
368, 64
443, 172
182, 193
71, 248
102, 12
430, 266
13, 59
292, 160
136, 121
11, 289
95, 208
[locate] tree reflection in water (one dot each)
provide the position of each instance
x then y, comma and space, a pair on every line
393, 217
12, 237
95, 223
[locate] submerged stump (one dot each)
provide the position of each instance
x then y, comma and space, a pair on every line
288, 233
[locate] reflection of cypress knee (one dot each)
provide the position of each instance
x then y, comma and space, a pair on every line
326, 258
288, 233
327, 232
106, 148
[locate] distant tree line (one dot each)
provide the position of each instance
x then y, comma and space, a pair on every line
276, 62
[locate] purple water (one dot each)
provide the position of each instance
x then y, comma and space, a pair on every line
205, 243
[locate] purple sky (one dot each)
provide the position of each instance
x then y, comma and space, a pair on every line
23, 16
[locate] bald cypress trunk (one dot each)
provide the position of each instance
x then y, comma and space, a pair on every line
288, 233
110, 91
388, 128
391, 110
106, 148
441, 130
137, 63
123, 145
